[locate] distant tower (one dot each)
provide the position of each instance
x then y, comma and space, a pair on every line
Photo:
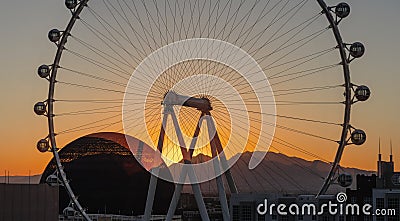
385, 169
391, 163
391, 151
379, 160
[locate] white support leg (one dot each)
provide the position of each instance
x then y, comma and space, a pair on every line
177, 195
214, 141
174, 202
198, 196
150, 195
223, 199
154, 173
222, 157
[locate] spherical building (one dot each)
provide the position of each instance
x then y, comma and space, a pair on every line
106, 176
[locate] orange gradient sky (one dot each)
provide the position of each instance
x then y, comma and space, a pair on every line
24, 46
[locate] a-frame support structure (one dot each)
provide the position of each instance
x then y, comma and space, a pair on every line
219, 158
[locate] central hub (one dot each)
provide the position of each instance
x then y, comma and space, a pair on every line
172, 98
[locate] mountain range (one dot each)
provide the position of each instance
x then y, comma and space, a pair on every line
280, 173
276, 173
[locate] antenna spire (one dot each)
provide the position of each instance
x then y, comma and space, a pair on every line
391, 151
379, 154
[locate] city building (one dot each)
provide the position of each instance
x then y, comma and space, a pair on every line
33, 202
381, 190
189, 211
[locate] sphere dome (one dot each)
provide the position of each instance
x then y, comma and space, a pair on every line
107, 177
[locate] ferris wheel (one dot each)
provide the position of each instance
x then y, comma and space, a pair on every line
200, 82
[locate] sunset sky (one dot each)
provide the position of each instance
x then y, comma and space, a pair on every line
24, 46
